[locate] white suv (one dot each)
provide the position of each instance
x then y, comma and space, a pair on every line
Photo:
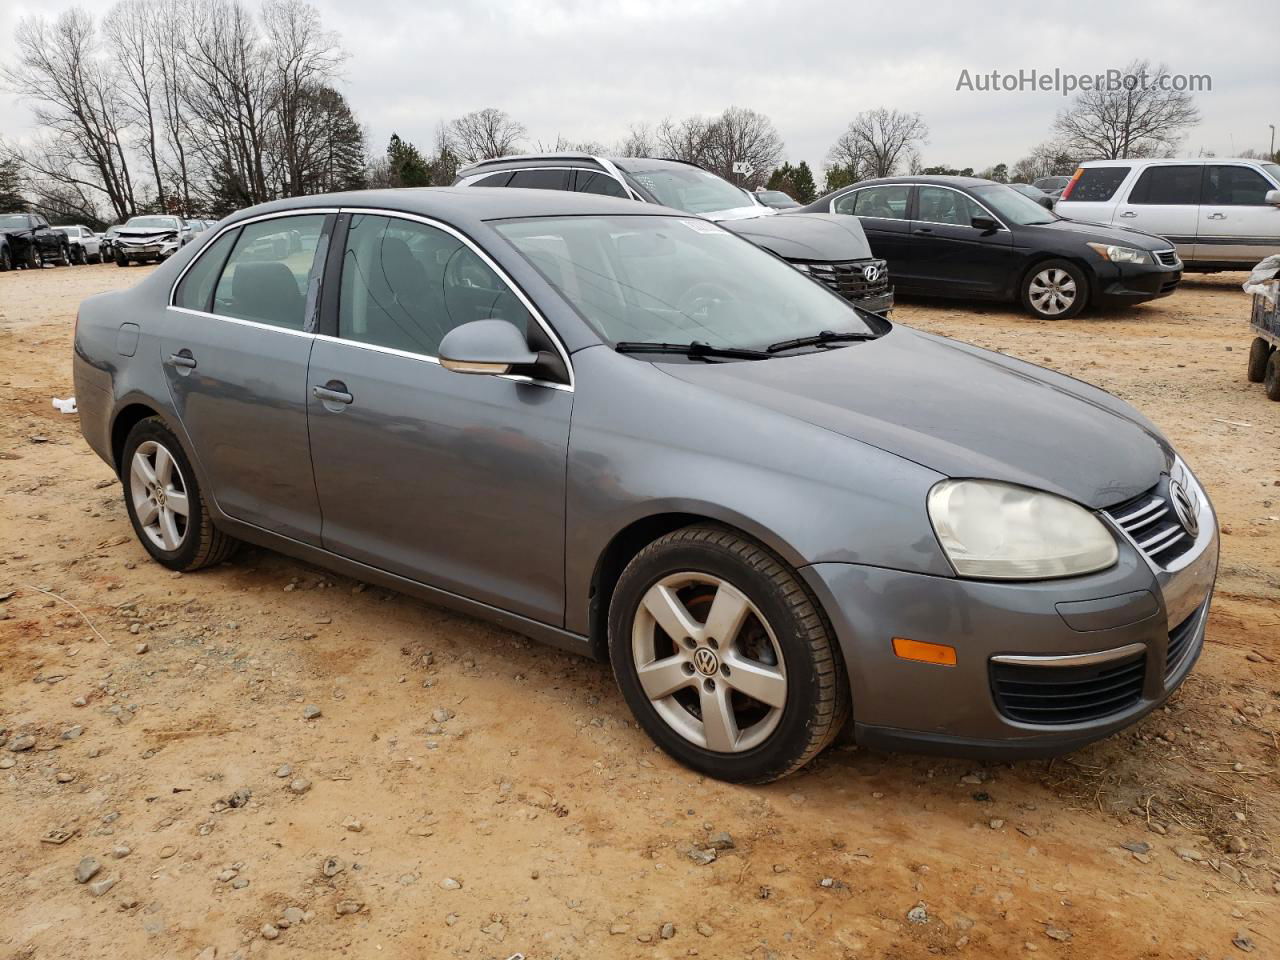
1219, 214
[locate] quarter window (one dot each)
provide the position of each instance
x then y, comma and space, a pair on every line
1169, 185
541, 179
941, 205
265, 278
494, 180
1096, 184
1235, 187
885, 203
196, 286
406, 284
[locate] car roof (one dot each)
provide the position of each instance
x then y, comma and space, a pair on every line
571, 159
464, 205
1146, 161
941, 180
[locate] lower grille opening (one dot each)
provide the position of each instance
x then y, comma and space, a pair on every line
1053, 695
1180, 638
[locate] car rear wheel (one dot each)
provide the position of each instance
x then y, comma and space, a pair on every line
1271, 383
166, 506
1259, 352
78, 256
1055, 290
724, 656
121, 260
6, 260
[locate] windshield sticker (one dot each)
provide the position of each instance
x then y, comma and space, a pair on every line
701, 226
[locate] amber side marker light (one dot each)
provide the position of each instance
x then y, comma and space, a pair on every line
923, 652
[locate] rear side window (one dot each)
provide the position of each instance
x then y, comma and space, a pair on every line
1235, 186
494, 180
541, 179
195, 290
1097, 184
265, 278
886, 203
1172, 185
600, 183
406, 284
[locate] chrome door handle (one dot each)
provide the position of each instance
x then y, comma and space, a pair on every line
331, 395
182, 360
1128, 213
923, 230
1217, 216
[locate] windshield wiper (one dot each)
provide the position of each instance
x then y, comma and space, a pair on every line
823, 336
696, 349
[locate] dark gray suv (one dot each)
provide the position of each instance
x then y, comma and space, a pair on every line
627, 432
830, 249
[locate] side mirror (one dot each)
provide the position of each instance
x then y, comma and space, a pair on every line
1272, 197
490, 347
984, 223
1046, 201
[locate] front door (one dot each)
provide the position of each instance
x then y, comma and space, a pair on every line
1236, 224
235, 349
883, 212
949, 255
453, 480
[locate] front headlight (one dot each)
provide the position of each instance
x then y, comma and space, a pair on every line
999, 531
1118, 254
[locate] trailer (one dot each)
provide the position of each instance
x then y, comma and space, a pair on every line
1264, 352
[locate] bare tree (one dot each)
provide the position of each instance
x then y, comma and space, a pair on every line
742, 136
688, 139
1048, 159
484, 135
168, 39
131, 44
74, 98
1138, 119
878, 142
639, 142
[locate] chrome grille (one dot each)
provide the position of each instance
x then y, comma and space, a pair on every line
1154, 528
1168, 257
848, 277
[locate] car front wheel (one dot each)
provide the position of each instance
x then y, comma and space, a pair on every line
166, 506
724, 656
1055, 290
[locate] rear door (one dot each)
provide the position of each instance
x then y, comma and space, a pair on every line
1235, 223
235, 347
948, 255
885, 214
1165, 200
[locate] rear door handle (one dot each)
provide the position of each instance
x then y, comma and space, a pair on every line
333, 392
1217, 216
1128, 213
183, 358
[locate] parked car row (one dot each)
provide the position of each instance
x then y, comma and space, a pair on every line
27, 240
646, 435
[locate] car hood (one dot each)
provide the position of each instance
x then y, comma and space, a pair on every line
1101, 233
958, 410
141, 233
805, 236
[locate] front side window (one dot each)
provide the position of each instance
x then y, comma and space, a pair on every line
1235, 187
884, 203
674, 280
406, 284
1097, 184
195, 290
1169, 185
265, 278
941, 205
600, 183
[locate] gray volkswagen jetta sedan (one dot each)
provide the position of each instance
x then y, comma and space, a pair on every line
629, 433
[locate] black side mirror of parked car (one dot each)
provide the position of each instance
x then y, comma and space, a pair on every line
984, 223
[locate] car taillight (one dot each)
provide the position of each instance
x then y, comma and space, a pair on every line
1071, 184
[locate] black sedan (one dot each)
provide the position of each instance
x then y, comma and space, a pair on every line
976, 239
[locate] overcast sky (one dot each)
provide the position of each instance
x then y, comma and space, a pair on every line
584, 69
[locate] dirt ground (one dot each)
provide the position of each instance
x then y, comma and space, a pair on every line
466, 793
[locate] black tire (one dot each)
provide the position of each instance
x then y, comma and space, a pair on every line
1034, 280
1271, 383
816, 701
201, 544
64, 256
6, 260
121, 260
1259, 352
78, 256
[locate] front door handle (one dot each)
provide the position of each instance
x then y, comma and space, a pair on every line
182, 358
1217, 216
1128, 213
923, 230
333, 392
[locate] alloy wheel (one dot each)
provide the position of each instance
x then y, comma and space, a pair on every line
709, 662
1052, 291
159, 494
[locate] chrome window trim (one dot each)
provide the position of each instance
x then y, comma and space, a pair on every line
850, 193
940, 223
239, 320
612, 169
1071, 659
501, 275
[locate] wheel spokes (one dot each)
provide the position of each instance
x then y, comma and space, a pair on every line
664, 677
176, 500
164, 466
719, 725
729, 610
671, 613
757, 680
143, 473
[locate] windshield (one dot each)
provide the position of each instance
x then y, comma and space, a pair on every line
167, 223
691, 189
14, 220
670, 280
1052, 183
1012, 206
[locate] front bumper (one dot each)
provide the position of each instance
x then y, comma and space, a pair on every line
138, 250
1129, 283
1127, 613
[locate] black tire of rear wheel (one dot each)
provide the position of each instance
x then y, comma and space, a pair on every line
1077, 274
121, 260
1271, 383
6, 260
204, 544
1259, 352
817, 685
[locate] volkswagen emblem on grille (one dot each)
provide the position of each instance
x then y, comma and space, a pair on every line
706, 661
870, 273
1185, 506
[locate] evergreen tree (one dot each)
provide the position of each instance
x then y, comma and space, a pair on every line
782, 178
11, 199
804, 190
407, 167
838, 176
